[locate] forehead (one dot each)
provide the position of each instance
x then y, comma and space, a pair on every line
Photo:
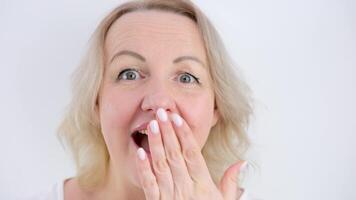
154, 31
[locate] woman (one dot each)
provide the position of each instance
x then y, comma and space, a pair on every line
158, 111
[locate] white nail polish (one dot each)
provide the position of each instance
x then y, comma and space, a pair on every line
162, 114
243, 167
154, 127
141, 153
178, 121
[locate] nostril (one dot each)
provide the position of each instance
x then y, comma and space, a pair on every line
165, 109
152, 101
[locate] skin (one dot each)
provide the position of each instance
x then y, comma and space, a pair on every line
162, 53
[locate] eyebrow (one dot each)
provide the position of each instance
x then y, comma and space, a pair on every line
129, 53
140, 57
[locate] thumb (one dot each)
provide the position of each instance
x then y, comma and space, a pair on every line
229, 182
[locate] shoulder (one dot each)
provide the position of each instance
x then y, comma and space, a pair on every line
247, 196
71, 190
66, 189
54, 192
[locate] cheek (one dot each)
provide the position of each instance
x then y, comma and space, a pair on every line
116, 111
198, 113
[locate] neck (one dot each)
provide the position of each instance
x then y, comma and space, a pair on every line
117, 186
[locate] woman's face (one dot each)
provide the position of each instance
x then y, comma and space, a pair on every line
153, 59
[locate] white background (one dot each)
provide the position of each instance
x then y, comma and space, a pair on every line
298, 57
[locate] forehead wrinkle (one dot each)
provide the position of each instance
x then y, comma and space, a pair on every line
158, 36
148, 18
141, 25
152, 46
129, 41
127, 32
153, 33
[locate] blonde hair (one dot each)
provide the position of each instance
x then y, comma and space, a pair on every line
80, 128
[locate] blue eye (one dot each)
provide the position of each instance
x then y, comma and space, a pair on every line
187, 78
129, 74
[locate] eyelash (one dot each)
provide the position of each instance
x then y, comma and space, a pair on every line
194, 77
119, 77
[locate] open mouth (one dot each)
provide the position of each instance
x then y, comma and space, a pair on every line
141, 139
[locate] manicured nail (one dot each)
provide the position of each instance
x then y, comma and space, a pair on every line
141, 153
162, 114
243, 167
178, 121
154, 127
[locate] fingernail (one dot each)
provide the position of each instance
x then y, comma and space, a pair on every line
141, 153
154, 127
243, 167
162, 114
177, 119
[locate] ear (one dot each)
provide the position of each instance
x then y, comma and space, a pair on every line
97, 109
216, 115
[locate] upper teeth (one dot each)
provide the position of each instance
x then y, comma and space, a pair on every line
144, 131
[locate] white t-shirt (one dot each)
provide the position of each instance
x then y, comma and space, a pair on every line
56, 192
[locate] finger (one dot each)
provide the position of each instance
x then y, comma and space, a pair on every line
146, 176
194, 160
229, 182
159, 161
173, 150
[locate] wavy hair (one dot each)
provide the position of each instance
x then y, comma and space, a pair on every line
80, 128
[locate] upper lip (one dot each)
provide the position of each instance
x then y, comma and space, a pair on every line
140, 127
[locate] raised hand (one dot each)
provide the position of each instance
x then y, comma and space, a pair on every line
178, 169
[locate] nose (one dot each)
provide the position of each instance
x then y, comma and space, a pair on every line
155, 99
